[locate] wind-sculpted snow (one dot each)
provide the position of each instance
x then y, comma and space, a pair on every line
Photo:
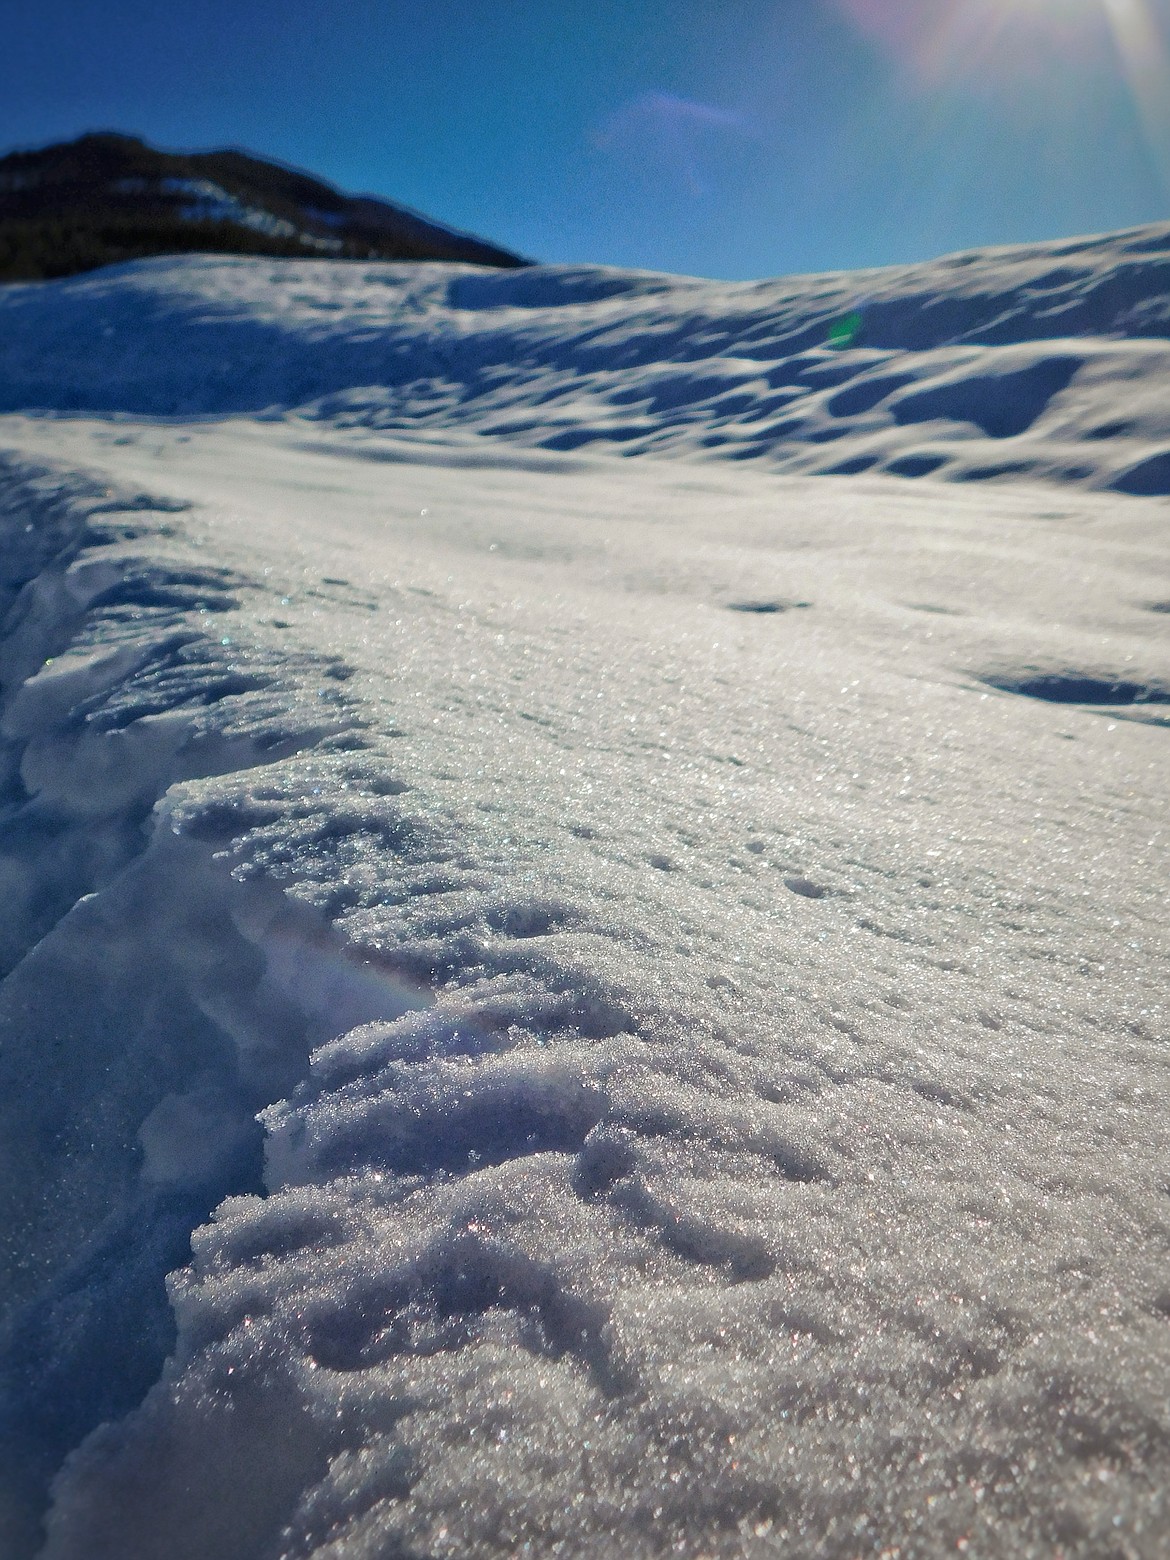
701, 990
559, 1005
1048, 361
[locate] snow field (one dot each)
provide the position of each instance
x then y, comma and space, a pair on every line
735, 1120
1048, 361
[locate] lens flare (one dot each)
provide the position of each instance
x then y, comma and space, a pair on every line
1145, 56
943, 41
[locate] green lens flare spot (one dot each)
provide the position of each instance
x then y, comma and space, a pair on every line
845, 331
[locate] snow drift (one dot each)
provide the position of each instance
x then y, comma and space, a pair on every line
626, 996
983, 365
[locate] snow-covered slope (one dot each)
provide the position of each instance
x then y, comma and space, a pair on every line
1047, 361
693, 937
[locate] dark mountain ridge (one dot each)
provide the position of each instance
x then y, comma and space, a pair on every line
107, 197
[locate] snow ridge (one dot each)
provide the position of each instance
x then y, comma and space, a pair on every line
205, 989
1043, 362
115, 941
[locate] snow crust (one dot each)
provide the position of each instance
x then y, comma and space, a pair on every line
628, 996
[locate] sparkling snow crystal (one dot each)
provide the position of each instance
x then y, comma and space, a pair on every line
564, 1005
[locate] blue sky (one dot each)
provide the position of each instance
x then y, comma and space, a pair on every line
732, 138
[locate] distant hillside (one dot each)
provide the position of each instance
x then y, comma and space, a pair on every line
107, 197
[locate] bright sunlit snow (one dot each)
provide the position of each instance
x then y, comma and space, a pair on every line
628, 994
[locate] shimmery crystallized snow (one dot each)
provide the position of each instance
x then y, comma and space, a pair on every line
628, 996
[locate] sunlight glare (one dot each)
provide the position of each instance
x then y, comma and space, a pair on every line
946, 41
1145, 56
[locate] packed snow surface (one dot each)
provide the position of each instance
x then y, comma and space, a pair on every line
626, 995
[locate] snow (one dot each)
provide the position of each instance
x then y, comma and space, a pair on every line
627, 995
1000, 363
210, 202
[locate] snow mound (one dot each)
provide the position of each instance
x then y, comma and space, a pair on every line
560, 1005
1048, 361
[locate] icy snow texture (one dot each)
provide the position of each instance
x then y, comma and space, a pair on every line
694, 939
